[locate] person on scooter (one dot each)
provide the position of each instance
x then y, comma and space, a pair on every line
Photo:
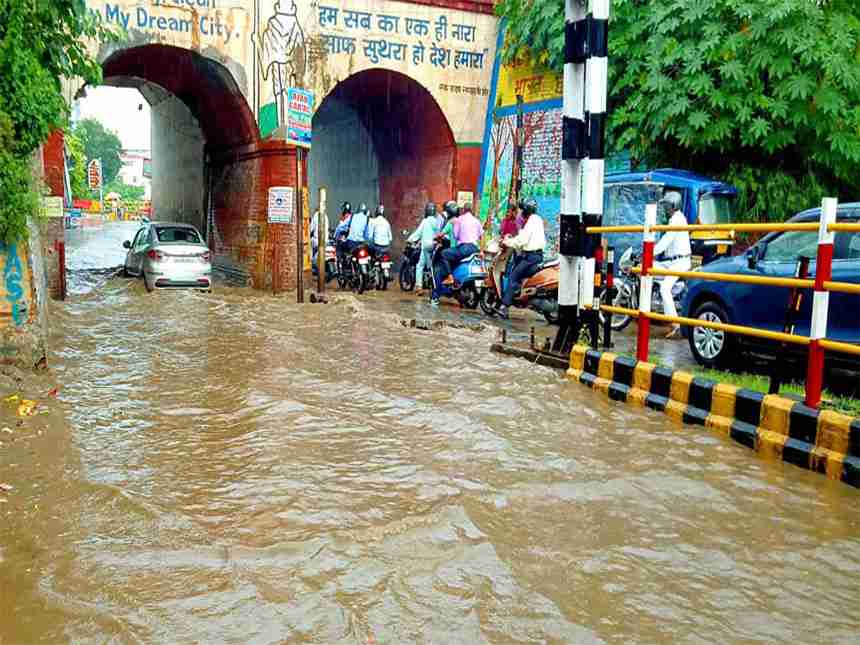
530, 242
379, 232
425, 233
675, 246
510, 223
467, 231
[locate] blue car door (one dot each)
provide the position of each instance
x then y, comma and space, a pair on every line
843, 319
766, 305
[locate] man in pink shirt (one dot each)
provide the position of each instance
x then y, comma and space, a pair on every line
467, 231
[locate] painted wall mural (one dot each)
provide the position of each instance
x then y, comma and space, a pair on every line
541, 91
270, 45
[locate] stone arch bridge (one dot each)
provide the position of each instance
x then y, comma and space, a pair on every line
401, 93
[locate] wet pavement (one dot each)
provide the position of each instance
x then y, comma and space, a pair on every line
236, 468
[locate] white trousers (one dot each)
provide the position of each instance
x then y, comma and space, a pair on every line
666, 283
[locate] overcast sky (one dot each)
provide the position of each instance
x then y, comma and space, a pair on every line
118, 109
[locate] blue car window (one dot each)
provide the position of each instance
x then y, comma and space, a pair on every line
789, 246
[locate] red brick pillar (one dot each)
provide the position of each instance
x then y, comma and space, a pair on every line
242, 237
53, 173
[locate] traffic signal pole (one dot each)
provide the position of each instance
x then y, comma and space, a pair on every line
582, 165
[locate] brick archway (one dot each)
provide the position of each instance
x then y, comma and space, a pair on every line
406, 141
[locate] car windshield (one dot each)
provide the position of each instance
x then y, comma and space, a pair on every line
177, 234
717, 209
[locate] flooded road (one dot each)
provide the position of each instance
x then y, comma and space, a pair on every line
234, 468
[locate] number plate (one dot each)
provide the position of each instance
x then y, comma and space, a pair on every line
363, 260
386, 265
184, 259
479, 284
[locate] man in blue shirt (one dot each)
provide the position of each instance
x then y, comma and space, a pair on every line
358, 229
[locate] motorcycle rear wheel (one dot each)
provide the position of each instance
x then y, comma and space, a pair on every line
407, 277
488, 302
362, 282
469, 297
625, 299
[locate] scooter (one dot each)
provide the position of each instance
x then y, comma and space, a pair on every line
628, 286
467, 279
330, 262
539, 292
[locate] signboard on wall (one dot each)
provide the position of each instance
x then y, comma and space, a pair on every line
94, 174
300, 110
281, 205
52, 206
532, 81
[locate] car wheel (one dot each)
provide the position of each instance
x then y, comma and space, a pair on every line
149, 287
711, 348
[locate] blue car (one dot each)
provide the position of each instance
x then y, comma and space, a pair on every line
761, 306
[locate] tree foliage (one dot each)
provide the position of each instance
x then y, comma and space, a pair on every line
763, 92
77, 163
100, 143
41, 41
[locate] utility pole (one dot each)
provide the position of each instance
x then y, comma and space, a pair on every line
519, 141
300, 240
322, 240
582, 166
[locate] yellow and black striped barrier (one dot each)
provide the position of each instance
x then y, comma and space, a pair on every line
775, 427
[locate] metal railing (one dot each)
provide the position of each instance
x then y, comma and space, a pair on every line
822, 285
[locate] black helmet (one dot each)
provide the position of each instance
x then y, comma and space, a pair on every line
380, 210
430, 209
452, 209
346, 208
362, 208
529, 206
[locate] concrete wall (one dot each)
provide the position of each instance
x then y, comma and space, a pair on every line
342, 159
178, 179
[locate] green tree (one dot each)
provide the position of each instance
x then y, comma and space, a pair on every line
765, 93
41, 41
126, 192
100, 143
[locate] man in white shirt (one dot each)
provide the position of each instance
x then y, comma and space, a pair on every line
530, 242
675, 245
379, 233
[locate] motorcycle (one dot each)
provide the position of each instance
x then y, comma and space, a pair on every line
354, 269
409, 264
628, 286
380, 270
539, 292
467, 278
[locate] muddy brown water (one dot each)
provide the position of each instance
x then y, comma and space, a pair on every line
232, 468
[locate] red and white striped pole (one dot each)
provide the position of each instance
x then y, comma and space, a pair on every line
646, 283
820, 303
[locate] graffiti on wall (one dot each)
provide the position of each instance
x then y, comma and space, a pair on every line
16, 293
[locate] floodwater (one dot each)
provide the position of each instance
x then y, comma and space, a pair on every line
234, 468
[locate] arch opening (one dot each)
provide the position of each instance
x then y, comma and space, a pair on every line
380, 137
197, 112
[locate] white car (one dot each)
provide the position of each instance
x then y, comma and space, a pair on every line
169, 256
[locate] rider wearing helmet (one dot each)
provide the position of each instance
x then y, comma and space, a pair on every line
425, 233
342, 229
530, 242
677, 252
379, 232
467, 231
359, 228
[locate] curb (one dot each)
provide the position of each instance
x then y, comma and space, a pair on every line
777, 428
